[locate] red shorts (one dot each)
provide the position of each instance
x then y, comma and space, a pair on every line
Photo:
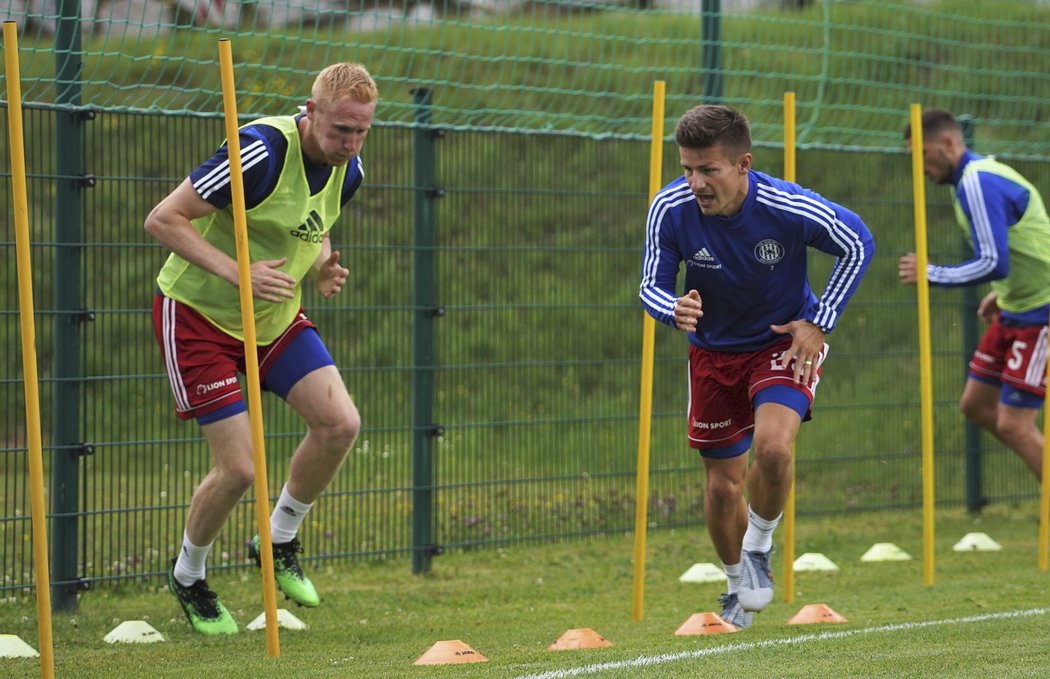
722, 387
1013, 356
202, 361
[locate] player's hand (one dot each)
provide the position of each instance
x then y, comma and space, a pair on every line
271, 284
908, 270
988, 309
807, 345
331, 277
687, 310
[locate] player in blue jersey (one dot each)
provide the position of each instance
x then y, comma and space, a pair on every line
299, 171
1004, 219
755, 328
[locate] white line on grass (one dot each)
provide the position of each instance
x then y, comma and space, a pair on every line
649, 661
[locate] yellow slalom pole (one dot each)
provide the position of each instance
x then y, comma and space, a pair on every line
645, 409
251, 357
1044, 496
925, 352
789, 509
25, 314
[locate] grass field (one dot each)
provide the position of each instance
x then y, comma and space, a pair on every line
986, 614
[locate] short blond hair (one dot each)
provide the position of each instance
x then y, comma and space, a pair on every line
344, 80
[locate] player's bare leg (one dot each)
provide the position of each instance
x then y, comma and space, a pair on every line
1013, 426
768, 485
219, 492
725, 512
725, 509
980, 404
332, 422
231, 475
1016, 428
769, 479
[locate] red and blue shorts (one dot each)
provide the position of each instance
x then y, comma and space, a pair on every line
1013, 357
202, 361
725, 389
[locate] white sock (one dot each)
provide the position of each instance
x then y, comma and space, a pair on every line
189, 566
759, 534
732, 576
287, 515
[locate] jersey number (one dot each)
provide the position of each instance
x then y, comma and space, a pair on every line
1017, 355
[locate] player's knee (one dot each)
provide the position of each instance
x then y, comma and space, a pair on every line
1014, 430
349, 428
772, 454
724, 491
340, 432
970, 409
983, 411
238, 478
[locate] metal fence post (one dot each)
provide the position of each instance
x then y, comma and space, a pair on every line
71, 179
711, 48
974, 496
424, 312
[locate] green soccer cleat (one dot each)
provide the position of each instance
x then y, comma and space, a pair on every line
287, 572
202, 608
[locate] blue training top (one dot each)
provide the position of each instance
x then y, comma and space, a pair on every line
263, 149
1007, 226
750, 269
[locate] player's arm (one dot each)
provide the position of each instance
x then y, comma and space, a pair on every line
208, 190
984, 204
170, 222
326, 252
841, 233
328, 274
660, 262
807, 344
988, 307
687, 311
837, 231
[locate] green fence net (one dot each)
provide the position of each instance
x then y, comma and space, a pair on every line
572, 66
540, 234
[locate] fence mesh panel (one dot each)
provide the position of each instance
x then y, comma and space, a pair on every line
543, 171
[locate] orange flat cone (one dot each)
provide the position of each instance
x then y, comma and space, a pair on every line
705, 623
449, 653
814, 614
583, 637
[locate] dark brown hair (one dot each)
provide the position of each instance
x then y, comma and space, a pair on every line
707, 125
934, 121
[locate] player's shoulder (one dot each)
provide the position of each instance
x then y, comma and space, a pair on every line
354, 177
670, 204
356, 168
270, 136
769, 183
994, 173
781, 195
675, 193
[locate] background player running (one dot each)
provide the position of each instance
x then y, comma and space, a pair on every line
1005, 221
